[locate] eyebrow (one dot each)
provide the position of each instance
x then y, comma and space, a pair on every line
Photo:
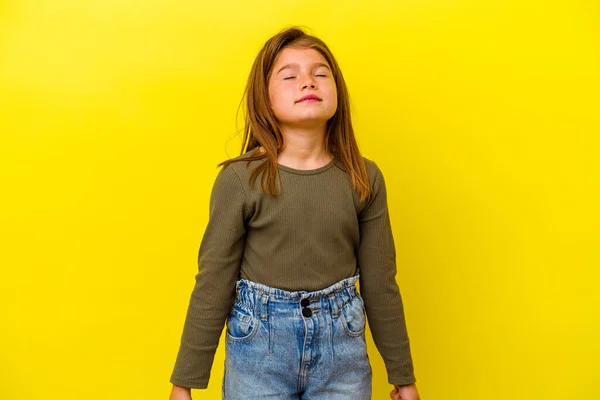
317, 64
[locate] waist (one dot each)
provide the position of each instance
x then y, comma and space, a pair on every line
253, 295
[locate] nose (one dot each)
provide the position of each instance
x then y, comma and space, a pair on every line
308, 81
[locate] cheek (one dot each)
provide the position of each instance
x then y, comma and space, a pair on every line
272, 96
333, 103
278, 103
282, 98
332, 93
333, 98
274, 93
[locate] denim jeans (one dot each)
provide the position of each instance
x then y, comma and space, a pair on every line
297, 345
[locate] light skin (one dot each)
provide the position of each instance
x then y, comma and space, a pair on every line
296, 73
180, 393
405, 392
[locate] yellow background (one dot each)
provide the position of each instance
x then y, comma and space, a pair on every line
483, 116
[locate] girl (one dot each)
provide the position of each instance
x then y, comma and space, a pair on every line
279, 260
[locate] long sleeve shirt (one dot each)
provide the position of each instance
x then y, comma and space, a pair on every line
314, 233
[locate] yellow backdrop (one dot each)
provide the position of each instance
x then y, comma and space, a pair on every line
483, 115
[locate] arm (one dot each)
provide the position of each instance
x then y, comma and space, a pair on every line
219, 259
376, 257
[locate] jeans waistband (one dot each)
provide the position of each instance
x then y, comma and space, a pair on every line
266, 299
280, 294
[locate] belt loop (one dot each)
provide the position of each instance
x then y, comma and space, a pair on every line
265, 308
333, 305
339, 299
256, 297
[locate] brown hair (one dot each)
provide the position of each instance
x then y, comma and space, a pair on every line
261, 128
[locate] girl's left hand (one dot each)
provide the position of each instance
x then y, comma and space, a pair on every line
405, 392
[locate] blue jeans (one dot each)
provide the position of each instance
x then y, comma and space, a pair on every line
297, 345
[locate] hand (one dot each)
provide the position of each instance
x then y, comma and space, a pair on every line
405, 392
180, 393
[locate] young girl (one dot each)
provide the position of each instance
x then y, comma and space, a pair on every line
280, 257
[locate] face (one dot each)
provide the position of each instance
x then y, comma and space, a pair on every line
296, 74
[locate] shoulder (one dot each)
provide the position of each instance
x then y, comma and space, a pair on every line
229, 177
371, 164
238, 170
373, 171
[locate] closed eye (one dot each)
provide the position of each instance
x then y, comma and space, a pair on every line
292, 77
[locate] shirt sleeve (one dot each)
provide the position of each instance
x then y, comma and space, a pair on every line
219, 258
376, 258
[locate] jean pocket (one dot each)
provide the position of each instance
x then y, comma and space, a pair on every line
354, 317
242, 324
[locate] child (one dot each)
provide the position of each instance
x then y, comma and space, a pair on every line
280, 258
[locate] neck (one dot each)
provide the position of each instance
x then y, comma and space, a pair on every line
304, 146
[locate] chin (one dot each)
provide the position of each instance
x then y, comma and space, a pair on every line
311, 120
314, 116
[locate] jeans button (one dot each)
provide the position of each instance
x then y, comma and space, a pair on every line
307, 312
305, 302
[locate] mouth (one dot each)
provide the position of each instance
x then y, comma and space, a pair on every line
309, 101
311, 98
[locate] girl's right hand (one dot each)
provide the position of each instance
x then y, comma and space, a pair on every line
180, 393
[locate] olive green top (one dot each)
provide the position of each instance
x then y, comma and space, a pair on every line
314, 233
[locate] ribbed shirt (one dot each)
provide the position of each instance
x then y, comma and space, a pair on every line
314, 233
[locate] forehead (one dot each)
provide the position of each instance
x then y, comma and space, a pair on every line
291, 55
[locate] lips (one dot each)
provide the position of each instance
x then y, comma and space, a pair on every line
310, 98
309, 101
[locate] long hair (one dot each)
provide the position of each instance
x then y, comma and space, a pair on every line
261, 128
